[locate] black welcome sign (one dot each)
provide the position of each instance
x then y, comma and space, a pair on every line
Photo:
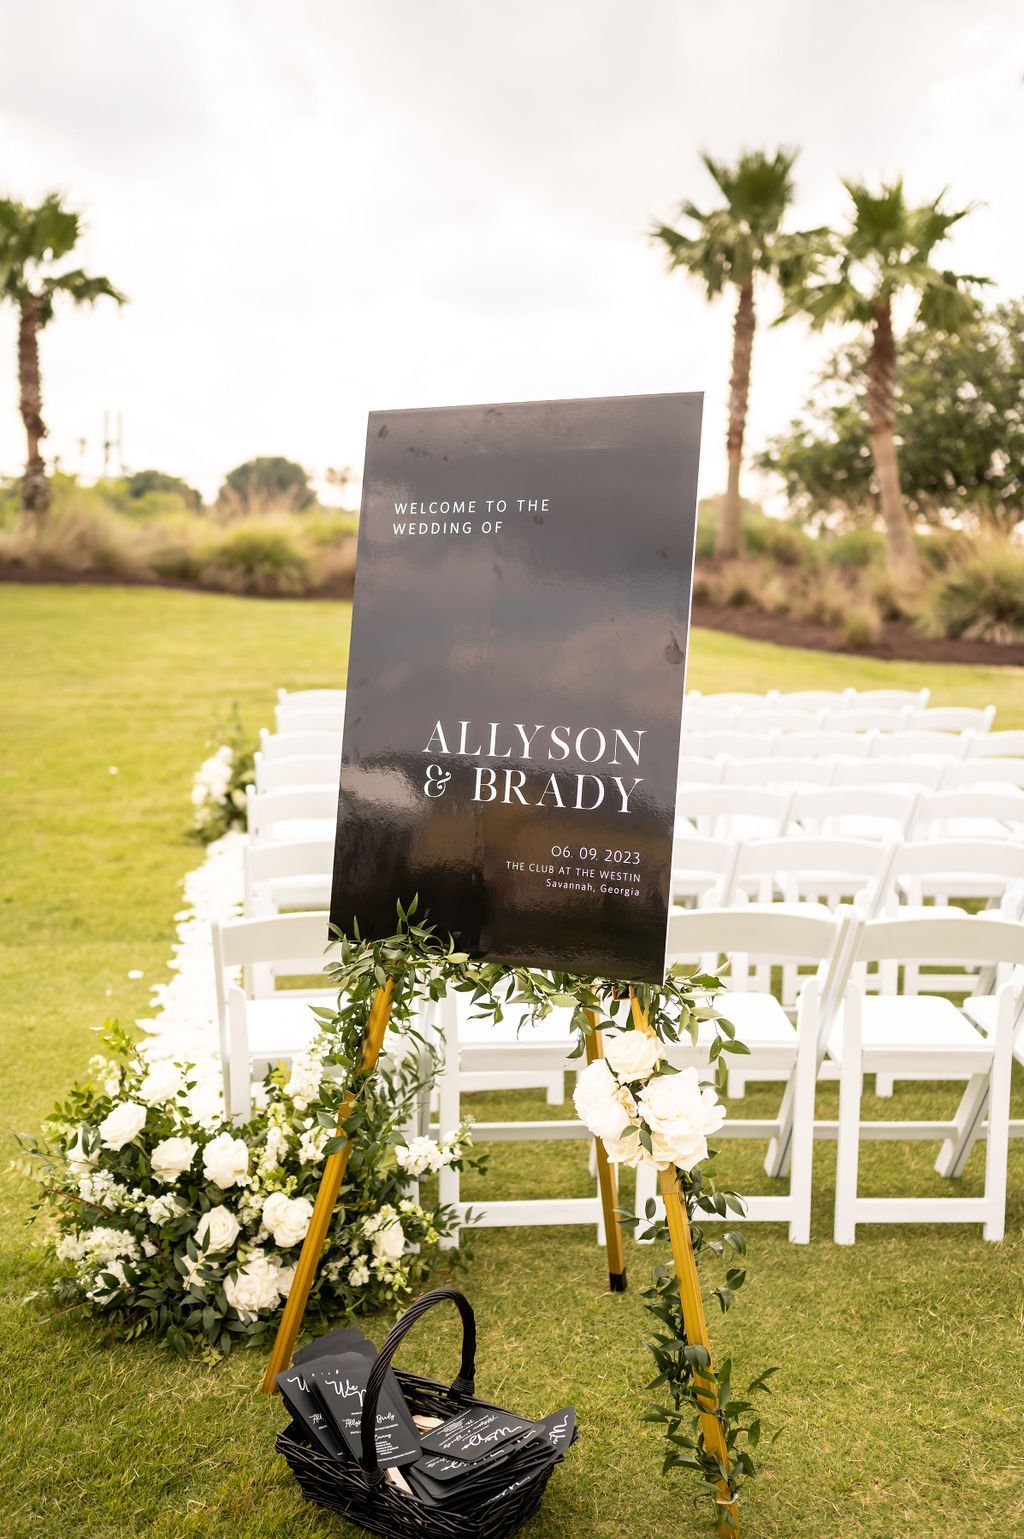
516, 674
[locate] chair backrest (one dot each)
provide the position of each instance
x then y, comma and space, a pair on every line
987, 745
946, 813
983, 772
952, 718
735, 700
855, 811
822, 745
280, 774
723, 810
907, 744
275, 862
925, 864
768, 934
893, 699
708, 745
705, 718
925, 773
778, 719
816, 699
822, 868
701, 863
865, 718
704, 772
314, 721
778, 772
271, 812
291, 745
289, 701
282, 945
943, 937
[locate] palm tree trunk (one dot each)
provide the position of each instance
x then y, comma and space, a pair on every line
900, 551
35, 489
729, 535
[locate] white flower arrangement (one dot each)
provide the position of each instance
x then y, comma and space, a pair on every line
218, 788
190, 1228
643, 1110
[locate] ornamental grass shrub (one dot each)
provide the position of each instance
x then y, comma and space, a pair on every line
258, 556
981, 597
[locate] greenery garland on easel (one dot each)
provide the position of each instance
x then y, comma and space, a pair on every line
708, 1428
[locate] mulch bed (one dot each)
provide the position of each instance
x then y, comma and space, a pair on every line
898, 640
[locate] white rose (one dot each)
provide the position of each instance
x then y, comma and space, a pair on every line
123, 1124
162, 1083
600, 1103
172, 1156
632, 1055
680, 1115
287, 1218
285, 1278
389, 1241
253, 1289
627, 1150
225, 1161
217, 1230
205, 1102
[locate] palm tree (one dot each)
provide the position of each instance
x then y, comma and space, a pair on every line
31, 241
887, 249
730, 246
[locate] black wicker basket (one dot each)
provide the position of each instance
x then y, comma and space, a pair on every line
360, 1493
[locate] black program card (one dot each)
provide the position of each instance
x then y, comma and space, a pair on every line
559, 1428
475, 1433
345, 1338
297, 1393
339, 1383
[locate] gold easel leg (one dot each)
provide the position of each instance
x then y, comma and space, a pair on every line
607, 1184
326, 1198
694, 1322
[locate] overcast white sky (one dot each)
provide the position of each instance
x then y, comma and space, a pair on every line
321, 207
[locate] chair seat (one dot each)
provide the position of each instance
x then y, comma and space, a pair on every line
982, 1010
925, 1029
305, 893
759, 1019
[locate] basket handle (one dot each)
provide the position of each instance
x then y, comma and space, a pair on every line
463, 1384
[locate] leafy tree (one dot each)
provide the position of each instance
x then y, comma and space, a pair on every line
268, 480
32, 240
886, 250
728, 248
959, 424
145, 481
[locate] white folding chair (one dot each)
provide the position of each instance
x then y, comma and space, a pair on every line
988, 745
310, 812
731, 812
260, 1026
816, 870
952, 718
701, 718
903, 1035
304, 745
938, 871
777, 1047
919, 745
981, 813
855, 812
866, 718
998, 773
288, 774
511, 1054
701, 865
287, 877
735, 701
926, 773
778, 773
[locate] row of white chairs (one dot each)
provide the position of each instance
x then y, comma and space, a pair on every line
838, 1021
815, 744
846, 720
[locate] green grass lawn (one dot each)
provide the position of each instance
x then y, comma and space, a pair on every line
899, 1398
